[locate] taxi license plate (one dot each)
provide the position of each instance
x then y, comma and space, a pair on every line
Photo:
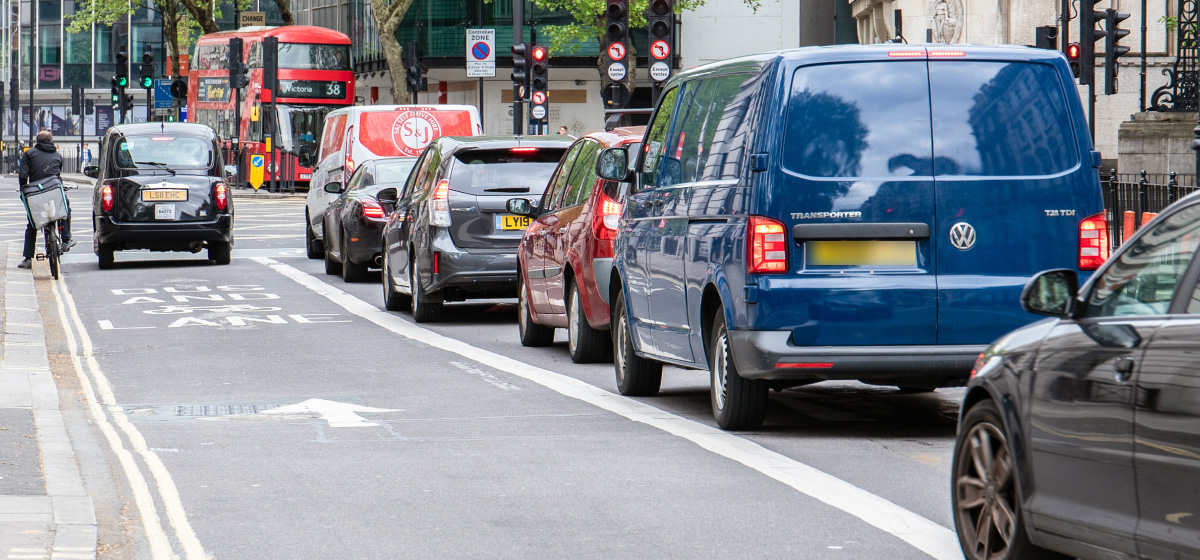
509, 221
164, 211
861, 253
158, 195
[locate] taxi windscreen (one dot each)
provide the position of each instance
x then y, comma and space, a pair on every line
164, 151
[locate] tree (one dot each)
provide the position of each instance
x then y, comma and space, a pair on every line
388, 15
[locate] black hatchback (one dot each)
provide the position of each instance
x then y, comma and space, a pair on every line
450, 237
1080, 434
161, 187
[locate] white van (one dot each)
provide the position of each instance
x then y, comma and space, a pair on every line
354, 135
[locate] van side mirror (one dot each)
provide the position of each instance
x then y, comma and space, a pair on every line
91, 171
1051, 292
613, 164
333, 188
521, 207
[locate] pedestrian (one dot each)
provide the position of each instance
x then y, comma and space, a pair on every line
85, 156
563, 130
40, 162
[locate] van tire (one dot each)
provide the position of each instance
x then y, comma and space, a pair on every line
531, 334
738, 403
422, 311
351, 271
585, 344
636, 376
312, 245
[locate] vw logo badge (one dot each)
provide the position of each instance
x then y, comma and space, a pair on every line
962, 236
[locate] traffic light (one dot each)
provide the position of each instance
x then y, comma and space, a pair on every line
1088, 35
147, 69
1073, 58
270, 63
413, 69
539, 80
1113, 51
122, 79
76, 99
520, 73
14, 91
116, 92
179, 88
616, 46
128, 102
88, 107
661, 21
237, 78
1045, 37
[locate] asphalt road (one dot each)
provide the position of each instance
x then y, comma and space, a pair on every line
266, 410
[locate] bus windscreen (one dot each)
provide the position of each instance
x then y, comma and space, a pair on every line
314, 57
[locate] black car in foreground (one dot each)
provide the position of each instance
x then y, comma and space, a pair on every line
450, 237
161, 187
354, 221
1080, 434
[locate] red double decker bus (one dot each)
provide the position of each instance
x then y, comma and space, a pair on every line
315, 77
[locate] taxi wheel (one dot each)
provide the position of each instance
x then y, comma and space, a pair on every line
985, 495
351, 271
219, 252
585, 344
422, 311
636, 376
738, 403
311, 243
392, 300
107, 256
531, 333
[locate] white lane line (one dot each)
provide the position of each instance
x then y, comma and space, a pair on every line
160, 546
927, 536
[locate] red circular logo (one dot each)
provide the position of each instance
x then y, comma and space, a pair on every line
413, 130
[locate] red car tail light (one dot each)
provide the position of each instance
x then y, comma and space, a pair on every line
766, 246
372, 210
1093, 242
606, 218
106, 197
220, 196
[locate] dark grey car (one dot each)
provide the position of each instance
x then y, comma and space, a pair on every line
450, 237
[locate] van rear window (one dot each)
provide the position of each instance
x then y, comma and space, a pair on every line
1000, 119
515, 170
859, 120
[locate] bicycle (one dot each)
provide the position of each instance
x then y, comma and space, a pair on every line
46, 207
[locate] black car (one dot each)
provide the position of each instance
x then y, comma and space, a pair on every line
162, 187
450, 237
1080, 434
354, 221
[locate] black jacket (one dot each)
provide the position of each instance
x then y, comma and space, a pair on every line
39, 162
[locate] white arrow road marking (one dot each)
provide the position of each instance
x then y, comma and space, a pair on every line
925, 535
339, 415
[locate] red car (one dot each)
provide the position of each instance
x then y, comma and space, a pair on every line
567, 252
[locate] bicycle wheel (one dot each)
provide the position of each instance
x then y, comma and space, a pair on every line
50, 232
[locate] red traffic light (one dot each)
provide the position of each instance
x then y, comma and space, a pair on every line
1073, 51
539, 53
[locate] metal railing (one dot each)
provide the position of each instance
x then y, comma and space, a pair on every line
1132, 199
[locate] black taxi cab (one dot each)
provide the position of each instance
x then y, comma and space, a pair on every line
161, 187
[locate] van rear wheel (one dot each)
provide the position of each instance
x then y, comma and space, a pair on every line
636, 376
312, 245
738, 403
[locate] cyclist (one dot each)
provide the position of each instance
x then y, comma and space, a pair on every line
37, 163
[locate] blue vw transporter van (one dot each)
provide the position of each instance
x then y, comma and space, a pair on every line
851, 212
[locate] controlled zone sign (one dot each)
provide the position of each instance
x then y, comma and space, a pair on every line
481, 53
258, 163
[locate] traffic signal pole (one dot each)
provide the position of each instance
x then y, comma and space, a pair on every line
235, 82
518, 38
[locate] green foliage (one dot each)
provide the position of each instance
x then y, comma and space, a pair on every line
589, 19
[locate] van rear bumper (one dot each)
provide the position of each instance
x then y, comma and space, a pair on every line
765, 355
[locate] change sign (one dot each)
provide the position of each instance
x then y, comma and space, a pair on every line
481, 53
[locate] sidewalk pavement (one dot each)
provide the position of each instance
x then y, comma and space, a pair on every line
45, 511
238, 193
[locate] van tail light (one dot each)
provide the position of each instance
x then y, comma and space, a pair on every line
1093, 242
606, 218
221, 196
439, 205
372, 210
347, 168
766, 246
106, 197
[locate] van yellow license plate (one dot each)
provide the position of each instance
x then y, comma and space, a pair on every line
511, 222
861, 253
160, 195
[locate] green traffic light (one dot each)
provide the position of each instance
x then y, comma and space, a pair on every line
115, 99
122, 81
147, 82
